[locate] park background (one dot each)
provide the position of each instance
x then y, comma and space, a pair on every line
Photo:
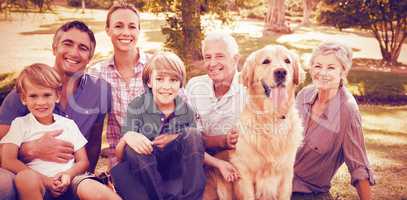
378, 78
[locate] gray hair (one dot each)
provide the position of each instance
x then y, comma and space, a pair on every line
341, 52
226, 38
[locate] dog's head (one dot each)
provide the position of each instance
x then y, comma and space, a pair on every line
271, 75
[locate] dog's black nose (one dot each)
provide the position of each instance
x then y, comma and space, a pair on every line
279, 76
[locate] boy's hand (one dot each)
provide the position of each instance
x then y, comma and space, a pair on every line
52, 186
62, 181
231, 139
228, 171
162, 140
139, 143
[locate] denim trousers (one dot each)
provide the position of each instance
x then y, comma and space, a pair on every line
174, 172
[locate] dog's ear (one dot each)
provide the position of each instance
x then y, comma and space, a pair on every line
246, 75
299, 74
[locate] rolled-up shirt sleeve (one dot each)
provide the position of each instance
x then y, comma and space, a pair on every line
355, 151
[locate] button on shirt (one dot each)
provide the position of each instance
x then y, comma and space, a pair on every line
122, 93
143, 116
332, 139
215, 116
87, 106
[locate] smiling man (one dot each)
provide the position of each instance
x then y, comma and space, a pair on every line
84, 99
218, 98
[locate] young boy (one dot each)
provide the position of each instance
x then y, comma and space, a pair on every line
39, 88
162, 152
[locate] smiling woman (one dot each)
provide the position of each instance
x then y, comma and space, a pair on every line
332, 125
123, 70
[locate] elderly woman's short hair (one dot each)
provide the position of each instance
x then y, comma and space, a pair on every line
226, 38
341, 52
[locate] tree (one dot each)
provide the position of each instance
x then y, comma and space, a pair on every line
275, 18
183, 28
308, 6
386, 19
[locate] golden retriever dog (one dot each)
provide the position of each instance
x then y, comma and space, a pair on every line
270, 130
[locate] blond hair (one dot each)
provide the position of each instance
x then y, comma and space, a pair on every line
121, 5
165, 61
39, 74
342, 53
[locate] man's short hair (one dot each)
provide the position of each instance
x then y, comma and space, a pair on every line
165, 61
226, 38
38, 74
81, 26
121, 5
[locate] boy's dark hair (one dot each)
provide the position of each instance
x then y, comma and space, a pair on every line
79, 25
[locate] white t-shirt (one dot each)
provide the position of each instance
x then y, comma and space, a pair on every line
216, 116
27, 128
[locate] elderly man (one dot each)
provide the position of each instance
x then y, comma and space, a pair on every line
85, 99
218, 99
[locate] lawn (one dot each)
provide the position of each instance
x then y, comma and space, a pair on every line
384, 126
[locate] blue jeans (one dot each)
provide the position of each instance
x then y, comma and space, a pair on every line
175, 172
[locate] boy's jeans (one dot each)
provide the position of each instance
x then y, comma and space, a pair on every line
175, 172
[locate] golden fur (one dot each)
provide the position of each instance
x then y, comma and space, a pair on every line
270, 131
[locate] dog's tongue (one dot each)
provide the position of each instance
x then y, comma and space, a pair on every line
278, 96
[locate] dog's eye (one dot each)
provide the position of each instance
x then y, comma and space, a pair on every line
287, 61
266, 61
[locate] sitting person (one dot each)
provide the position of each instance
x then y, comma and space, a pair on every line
158, 143
332, 128
218, 98
39, 87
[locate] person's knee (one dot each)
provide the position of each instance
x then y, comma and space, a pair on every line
138, 161
7, 190
91, 189
22, 177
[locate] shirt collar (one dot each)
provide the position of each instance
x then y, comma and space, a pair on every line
83, 81
141, 61
234, 86
333, 106
180, 105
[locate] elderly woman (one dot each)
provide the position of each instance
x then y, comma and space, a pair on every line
332, 128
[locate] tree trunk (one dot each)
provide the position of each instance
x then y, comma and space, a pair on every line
83, 6
275, 18
191, 30
308, 7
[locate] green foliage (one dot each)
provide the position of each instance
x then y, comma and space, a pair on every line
294, 7
379, 87
91, 3
42, 5
387, 19
183, 29
7, 82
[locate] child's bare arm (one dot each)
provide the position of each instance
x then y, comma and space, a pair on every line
227, 170
81, 163
9, 158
